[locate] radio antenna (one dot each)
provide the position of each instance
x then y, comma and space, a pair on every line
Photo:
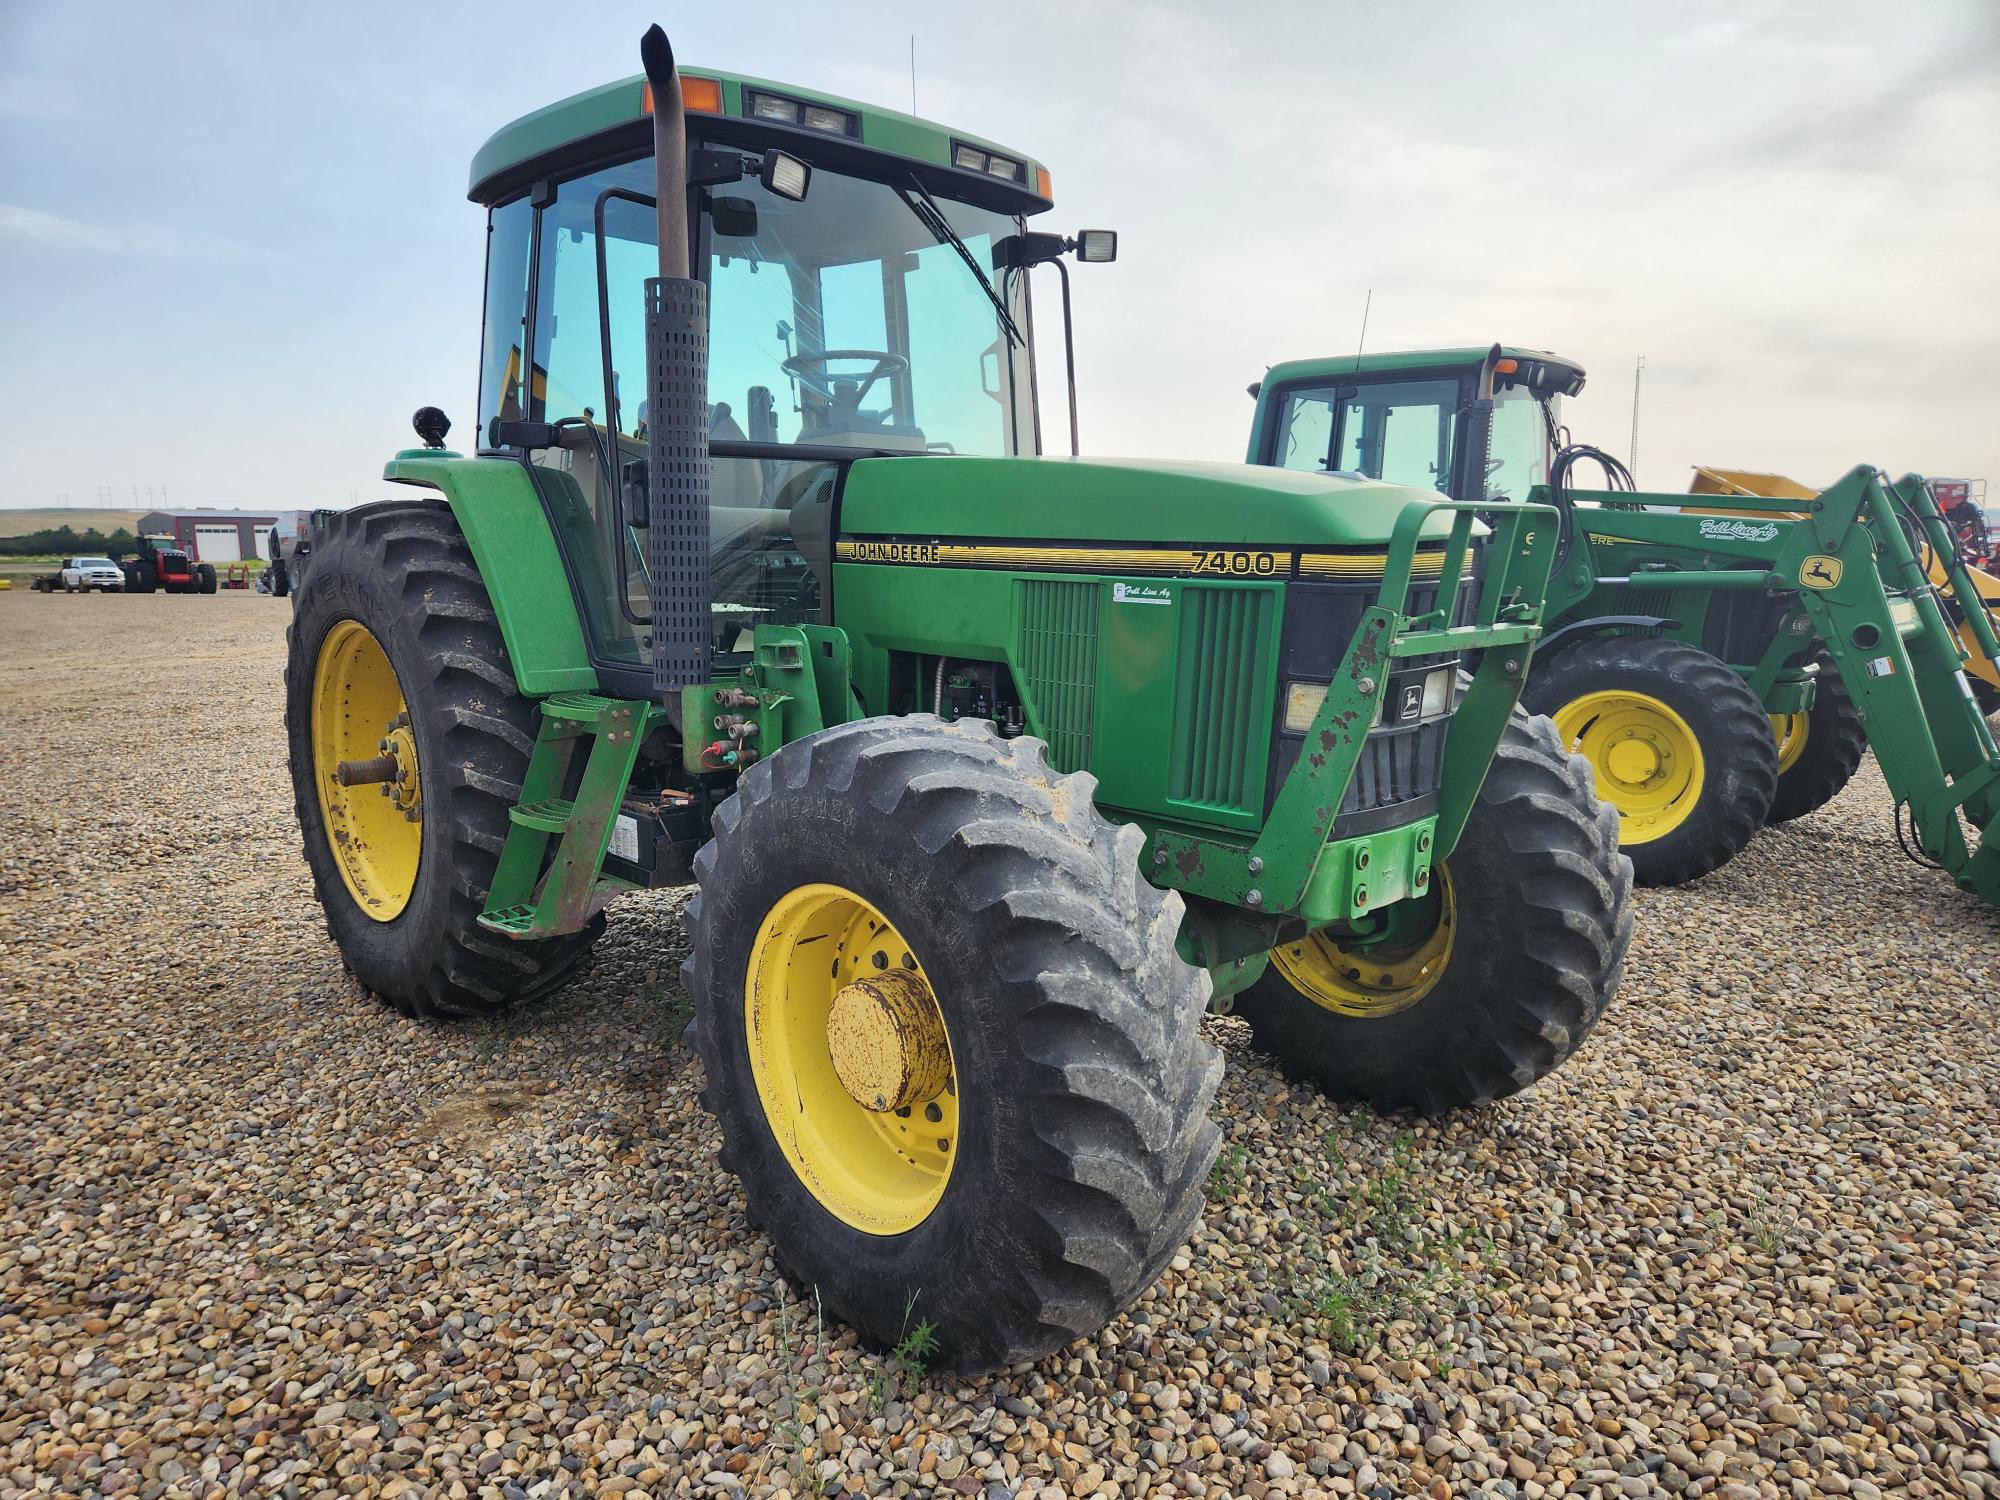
1362, 342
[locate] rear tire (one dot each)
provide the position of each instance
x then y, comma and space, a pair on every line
1540, 907
1676, 742
1812, 772
402, 570
1081, 1082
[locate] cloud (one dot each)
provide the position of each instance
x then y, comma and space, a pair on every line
50, 231
42, 230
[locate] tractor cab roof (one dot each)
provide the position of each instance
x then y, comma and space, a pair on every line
1535, 368
615, 120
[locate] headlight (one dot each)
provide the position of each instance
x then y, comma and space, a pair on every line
772, 107
1302, 705
1302, 701
1438, 692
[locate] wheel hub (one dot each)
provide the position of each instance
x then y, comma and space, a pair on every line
1645, 758
1634, 761
852, 1058
1790, 732
1382, 977
887, 1042
365, 759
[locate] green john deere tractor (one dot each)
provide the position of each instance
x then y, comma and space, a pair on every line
995, 771
1722, 661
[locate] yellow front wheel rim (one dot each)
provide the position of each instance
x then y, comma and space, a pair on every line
1790, 732
852, 1059
1375, 981
1644, 756
360, 720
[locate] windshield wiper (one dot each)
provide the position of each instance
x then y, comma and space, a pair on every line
924, 206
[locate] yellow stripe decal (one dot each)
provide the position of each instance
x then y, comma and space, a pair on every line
1199, 562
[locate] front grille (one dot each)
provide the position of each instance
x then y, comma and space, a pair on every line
1059, 661
1214, 759
1398, 769
1398, 773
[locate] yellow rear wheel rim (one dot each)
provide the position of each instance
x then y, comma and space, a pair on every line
1646, 760
852, 1059
375, 829
1378, 980
1790, 732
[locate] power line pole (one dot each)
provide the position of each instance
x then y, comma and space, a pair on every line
1638, 375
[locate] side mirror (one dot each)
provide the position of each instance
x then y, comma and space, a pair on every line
734, 218
1096, 246
785, 175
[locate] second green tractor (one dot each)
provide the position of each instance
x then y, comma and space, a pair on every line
1722, 660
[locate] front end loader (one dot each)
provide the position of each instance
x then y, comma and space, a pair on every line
995, 772
1721, 662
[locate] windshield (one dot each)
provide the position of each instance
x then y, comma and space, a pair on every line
1399, 431
837, 322
840, 320
95, 562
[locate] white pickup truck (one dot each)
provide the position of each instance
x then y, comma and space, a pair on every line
81, 574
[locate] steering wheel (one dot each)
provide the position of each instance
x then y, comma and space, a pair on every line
885, 364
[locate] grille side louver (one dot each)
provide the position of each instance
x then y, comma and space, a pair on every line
1218, 740
1059, 658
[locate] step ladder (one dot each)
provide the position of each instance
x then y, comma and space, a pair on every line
540, 891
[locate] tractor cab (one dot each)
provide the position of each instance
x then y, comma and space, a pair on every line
1475, 424
867, 292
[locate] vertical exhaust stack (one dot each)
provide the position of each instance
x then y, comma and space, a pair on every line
676, 403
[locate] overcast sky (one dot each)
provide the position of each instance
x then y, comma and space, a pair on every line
235, 250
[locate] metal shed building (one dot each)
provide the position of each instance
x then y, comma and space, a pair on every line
219, 536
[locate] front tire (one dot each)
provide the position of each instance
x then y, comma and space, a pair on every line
1676, 743
1072, 1127
204, 578
1508, 964
400, 641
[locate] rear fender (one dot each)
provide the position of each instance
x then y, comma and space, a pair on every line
496, 507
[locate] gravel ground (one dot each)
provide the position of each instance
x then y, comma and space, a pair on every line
258, 1234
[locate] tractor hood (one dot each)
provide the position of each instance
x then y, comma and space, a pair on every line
1122, 500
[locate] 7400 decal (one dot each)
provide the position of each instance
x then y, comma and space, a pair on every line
1239, 564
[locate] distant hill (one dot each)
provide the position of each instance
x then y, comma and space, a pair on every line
79, 519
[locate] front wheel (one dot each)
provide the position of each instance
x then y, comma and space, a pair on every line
397, 672
1487, 982
1676, 741
204, 578
956, 1061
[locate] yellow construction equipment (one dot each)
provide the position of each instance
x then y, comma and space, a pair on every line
1980, 667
